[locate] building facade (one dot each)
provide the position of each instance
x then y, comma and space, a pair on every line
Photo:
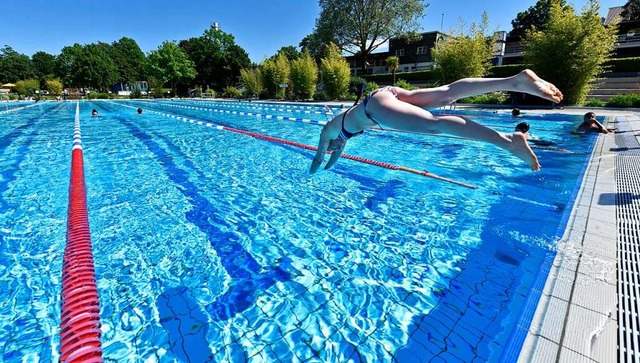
413, 56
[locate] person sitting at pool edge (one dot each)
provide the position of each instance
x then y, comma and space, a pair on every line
397, 108
591, 124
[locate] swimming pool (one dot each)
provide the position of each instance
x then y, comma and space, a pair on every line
216, 246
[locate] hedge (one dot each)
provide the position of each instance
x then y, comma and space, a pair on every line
620, 65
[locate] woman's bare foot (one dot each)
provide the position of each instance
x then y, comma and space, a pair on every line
529, 82
521, 149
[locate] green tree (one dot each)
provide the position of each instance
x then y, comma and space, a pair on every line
359, 27
571, 50
67, 64
335, 73
15, 66
95, 68
129, 60
464, 55
631, 10
274, 73
54, 86
252, 81
170, 64
44, 65
216, 57
304, 75
393, 63
534, 18
292, 53
315, 44
27, 87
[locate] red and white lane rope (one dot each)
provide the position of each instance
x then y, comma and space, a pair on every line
80, 321
309, 147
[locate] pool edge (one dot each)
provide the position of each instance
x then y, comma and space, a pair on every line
576, 317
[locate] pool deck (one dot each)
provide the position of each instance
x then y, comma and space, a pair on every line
577, 316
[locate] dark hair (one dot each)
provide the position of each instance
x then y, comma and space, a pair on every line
515, 112
139, 110
522, 127
589, 115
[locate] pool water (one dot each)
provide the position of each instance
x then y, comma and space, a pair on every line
215, 246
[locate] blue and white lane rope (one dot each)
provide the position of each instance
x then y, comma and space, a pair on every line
17, 109
254, 114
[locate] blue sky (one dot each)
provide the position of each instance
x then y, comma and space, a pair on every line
261, 27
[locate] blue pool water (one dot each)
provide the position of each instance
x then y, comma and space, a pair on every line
216, 246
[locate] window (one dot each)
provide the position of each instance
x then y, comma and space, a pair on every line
421, 50
399, 52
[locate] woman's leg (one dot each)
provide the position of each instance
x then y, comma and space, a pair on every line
526, 82
396, 114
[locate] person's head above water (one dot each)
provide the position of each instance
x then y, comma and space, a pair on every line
94, 112
522, 127
139, 110
589, 116
515, 112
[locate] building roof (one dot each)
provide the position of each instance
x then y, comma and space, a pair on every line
613, 14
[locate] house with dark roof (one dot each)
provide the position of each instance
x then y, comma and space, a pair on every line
628, 42
413, 56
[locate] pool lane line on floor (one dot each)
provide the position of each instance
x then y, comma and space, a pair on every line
80, 319
424, 173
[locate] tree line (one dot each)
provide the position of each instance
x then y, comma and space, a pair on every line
211, 60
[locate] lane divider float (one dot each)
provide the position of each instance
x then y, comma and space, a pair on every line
308, 108
242, 113
80, 321
424, 173
17, 109
307, 121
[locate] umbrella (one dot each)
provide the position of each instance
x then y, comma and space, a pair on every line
8, 85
